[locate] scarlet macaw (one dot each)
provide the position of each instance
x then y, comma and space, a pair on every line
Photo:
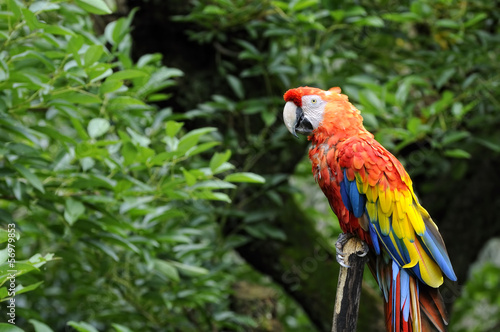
373, 198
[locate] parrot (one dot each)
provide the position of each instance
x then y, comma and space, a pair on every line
372, 195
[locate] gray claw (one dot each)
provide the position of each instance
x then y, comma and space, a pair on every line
341, 241
362, 254
340, 260
339, 245
364, 250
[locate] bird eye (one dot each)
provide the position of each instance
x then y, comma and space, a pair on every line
314, 100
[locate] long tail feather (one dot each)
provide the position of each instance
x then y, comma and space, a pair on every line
431, 303
410, 305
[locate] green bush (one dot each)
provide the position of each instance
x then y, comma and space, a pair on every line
117, 198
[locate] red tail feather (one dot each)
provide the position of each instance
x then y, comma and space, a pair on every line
427, 310
431, 303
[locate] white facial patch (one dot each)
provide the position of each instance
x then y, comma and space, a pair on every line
313, 107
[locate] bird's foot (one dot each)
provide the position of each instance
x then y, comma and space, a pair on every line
361, 248
339, 246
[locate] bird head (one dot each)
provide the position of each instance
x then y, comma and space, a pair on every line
305, 108
309, 111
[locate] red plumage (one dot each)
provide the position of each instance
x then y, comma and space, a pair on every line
294, 96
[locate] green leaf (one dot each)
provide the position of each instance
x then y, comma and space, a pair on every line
454, 136
303, 4
189, 270
110, 86
413, 125
22, 289
126, 103
159, 80
190, 178
494, 146
98, 127
213, 10
3, 293
105, 249
31, 20
129, 153
4, 235
93, 54
201, 148
74, 46
4, 71
22, 267
120, 328
173, 127
73, 210
445, 77
6, 327
98, 7
167, 269
190, 139
401, 17
245, 177
138, 138
32, 178
268, 117
4, 254
127, 74
54, 134
214, 184
15, 7
39, 326
371, 99
77, 97
58, 30
447, 23
373, 21
236, 86
457, 153
41, 6
212, 196
82, 326
476, 19
218, 159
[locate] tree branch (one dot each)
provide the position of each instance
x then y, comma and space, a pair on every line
345, 314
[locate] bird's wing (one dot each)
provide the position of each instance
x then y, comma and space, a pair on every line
375, 183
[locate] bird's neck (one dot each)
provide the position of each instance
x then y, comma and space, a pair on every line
340, 122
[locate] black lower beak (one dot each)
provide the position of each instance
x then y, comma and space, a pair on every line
302, 124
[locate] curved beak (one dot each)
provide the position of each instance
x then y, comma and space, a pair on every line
295, 121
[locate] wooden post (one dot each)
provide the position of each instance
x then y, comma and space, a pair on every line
345, 315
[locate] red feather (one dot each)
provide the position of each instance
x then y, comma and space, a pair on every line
295, 96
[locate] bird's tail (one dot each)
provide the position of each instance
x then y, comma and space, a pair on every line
409, 304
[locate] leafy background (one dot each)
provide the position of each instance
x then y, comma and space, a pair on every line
154, 187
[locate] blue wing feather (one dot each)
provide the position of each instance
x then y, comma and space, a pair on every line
352, 199
345, 196
438, 253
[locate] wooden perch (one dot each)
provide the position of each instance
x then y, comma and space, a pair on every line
345, 314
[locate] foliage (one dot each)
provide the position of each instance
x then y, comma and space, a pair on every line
478, 307
423, 74
97, 177
127, 201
